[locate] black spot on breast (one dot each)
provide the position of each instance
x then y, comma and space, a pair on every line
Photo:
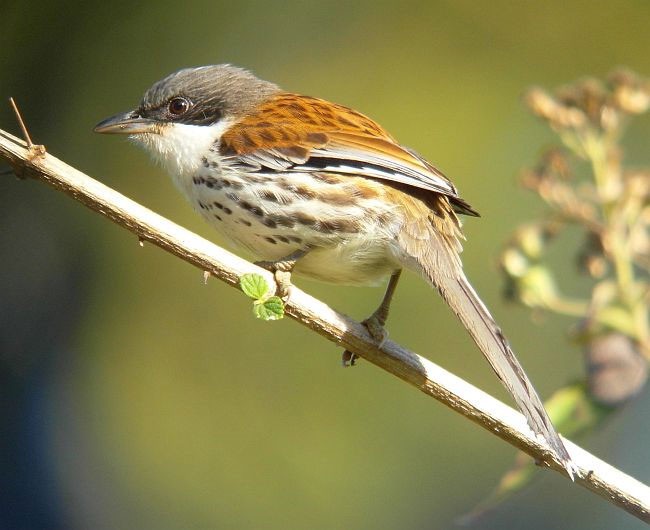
282, 220
282, 239
233, 196
227, 210
230, 184
269, 222
218, 217
245, 222
270, 240
255, 210
212, 183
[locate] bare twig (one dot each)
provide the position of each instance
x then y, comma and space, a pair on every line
33, 150
21, 124
491, 414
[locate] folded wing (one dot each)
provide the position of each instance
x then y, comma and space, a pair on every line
300, 133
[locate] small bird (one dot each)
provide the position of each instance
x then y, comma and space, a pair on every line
317, 188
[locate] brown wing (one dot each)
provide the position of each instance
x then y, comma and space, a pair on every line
300, 133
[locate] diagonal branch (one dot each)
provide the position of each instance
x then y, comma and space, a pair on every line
594, 474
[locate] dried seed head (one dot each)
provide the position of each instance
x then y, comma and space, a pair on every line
630, 93
591, 257
558, 115
588, 95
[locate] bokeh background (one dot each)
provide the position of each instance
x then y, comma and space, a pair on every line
134, 396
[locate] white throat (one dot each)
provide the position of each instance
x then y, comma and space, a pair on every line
180, 147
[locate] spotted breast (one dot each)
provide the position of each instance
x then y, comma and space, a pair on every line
342, 220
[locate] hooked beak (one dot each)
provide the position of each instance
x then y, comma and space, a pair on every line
126, 123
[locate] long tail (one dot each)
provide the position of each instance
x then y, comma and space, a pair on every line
471, 311
435, 254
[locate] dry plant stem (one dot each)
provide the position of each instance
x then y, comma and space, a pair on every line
594, 474
606, 167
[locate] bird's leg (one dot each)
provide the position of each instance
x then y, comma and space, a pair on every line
282, 269
375, 322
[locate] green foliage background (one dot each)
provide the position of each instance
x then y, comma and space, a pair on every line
138, 397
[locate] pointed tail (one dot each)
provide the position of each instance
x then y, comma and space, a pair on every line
463, 300
435, 254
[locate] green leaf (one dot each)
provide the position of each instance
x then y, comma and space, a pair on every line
254, 285
270, 309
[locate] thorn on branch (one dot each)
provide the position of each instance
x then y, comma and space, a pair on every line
35, 151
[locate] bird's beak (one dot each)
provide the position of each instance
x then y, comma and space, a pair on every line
126, 123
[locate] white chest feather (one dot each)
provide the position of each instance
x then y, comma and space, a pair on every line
180, 148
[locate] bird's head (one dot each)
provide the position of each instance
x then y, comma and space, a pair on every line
181, 116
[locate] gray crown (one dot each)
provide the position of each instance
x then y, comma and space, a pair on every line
213, 91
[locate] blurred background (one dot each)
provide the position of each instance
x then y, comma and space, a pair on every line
135, 396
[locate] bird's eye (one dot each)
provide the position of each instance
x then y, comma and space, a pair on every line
178, 106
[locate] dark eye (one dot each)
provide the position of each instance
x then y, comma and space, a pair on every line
178, 106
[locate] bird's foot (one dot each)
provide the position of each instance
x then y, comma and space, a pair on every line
375, 326
282, 273
281, 270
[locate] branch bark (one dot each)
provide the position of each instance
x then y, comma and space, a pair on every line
481, 408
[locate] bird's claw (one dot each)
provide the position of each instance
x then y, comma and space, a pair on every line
376, 329
283, 283
282, 273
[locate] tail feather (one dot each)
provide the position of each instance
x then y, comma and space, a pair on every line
463, 300
434, 253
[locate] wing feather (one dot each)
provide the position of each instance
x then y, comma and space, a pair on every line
299, 133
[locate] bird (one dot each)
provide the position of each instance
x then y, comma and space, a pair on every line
319, 189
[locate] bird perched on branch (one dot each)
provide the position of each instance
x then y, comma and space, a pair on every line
317, 188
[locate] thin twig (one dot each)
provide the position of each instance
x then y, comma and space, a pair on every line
21, 123
594, 474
